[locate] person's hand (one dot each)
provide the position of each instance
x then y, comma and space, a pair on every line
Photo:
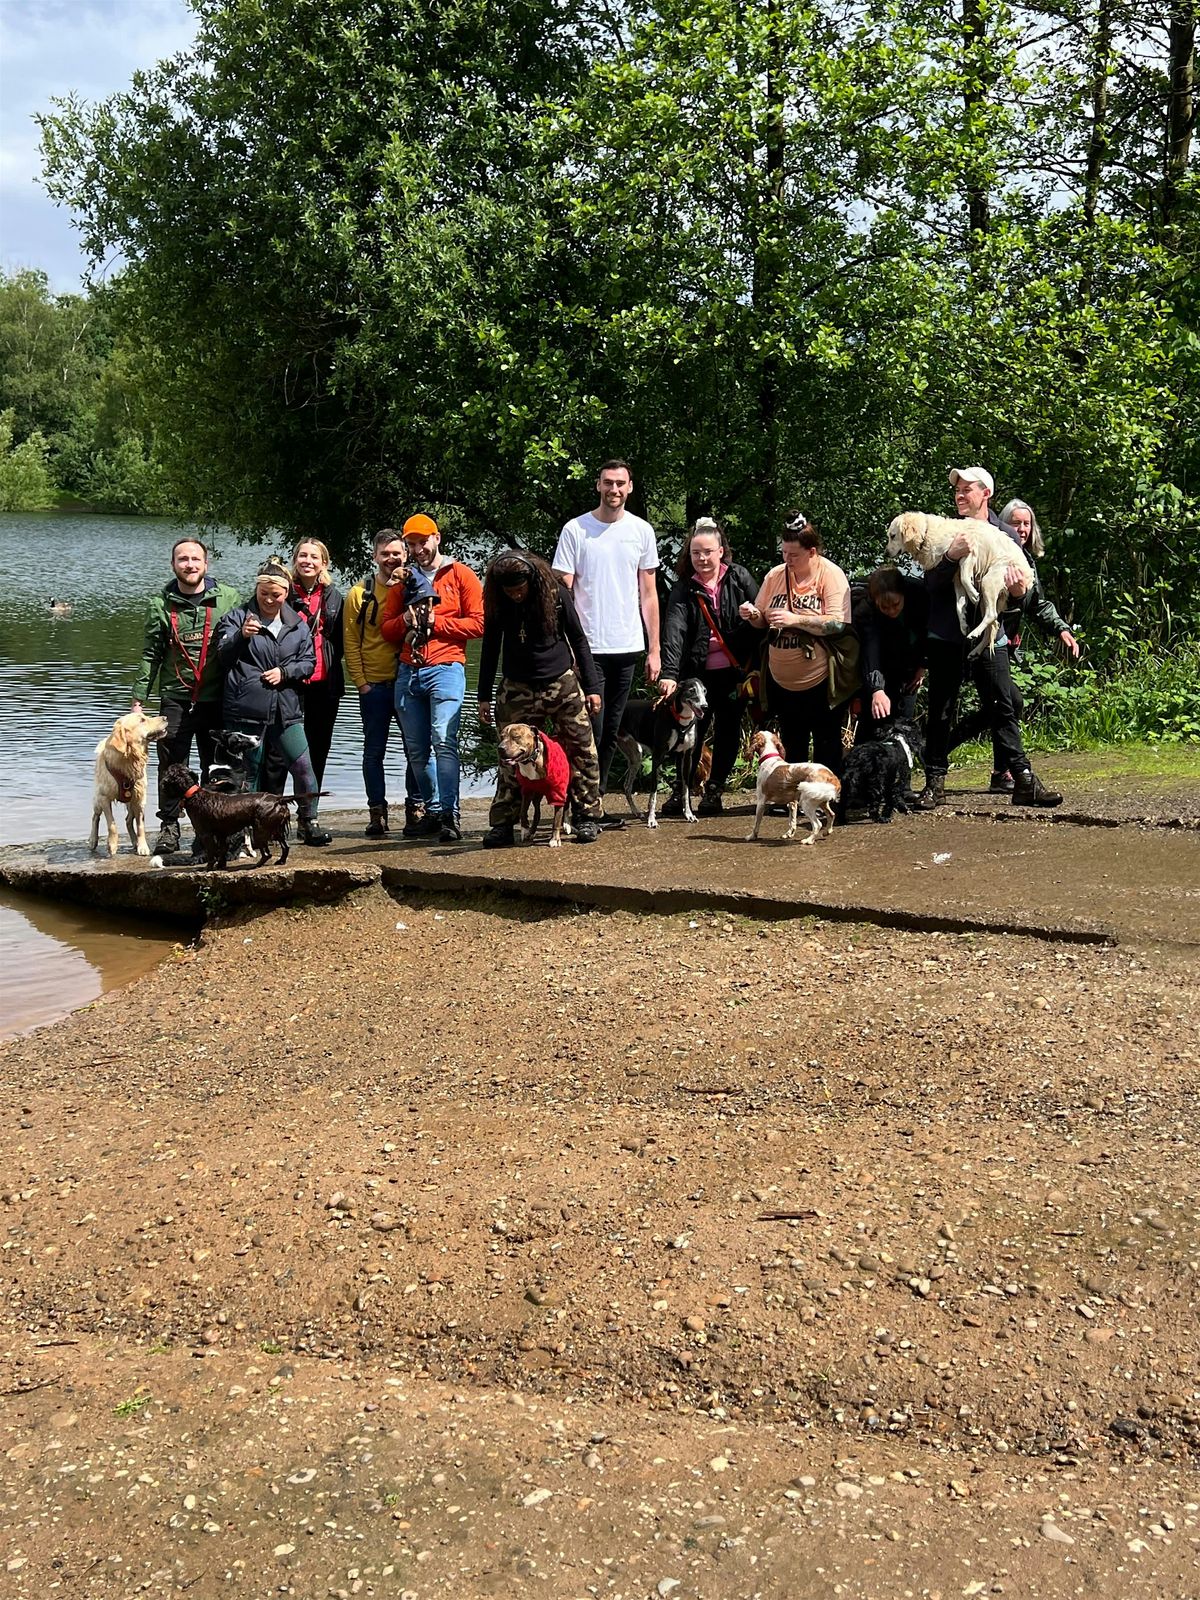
410, 616
881, 706
251, 626
273, 677
653, 666
1015, 582
486, 715
365, 690
666, 687
136, 706
958, 547
1070, 644
749, 612
593, 703
915, 682
781, 617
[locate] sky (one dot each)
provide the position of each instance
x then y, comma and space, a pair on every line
52, 48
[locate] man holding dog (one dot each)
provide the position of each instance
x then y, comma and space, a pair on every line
177, 653
949, 664
430, 690
608, 559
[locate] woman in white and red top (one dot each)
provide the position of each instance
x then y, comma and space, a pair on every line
803, 601
318, 600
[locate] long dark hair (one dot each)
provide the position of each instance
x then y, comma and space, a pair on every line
541, 602
714, 530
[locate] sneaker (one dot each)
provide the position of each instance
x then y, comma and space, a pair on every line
1029, 790
378, 826
1001, 783
500, 836
168, 839
711, 804
584, 830
451, 831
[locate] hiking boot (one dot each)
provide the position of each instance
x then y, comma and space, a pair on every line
1001, 783
934, 792
311, 832
710, 803
428, 827
168, 839
451, 829
1029, 790
378, 826
499, 836
414, 816
672, 807
585, 830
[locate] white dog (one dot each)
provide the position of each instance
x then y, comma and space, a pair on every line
121, 763
980, 574
797, 784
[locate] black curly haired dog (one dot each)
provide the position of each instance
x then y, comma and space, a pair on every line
218, 817
877, 775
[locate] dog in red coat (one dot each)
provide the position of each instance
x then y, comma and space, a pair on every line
542, 770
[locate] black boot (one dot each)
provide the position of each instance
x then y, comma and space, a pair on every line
451, 829
1029, 790
672, 807
710, 802
584, 830
1001, 783
168, 839
934, 792
499, 836
311, 832
378, 826
414, 819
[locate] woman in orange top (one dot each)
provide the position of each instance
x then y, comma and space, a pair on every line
803, 601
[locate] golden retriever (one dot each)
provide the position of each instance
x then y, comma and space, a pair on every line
121, 763
797, 784
979, 576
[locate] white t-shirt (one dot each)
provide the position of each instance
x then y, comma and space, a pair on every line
605, 558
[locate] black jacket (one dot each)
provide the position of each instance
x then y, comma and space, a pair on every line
246, 698
686, 632
893, 648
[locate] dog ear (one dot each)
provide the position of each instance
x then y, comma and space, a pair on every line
120, 737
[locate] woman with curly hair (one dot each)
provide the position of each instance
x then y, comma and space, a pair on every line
532, 631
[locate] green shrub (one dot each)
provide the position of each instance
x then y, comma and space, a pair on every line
25, 481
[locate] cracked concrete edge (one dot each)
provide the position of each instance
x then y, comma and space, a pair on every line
185, 894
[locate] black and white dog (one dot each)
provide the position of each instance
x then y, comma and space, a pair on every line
232, 773
663, 729
877, 776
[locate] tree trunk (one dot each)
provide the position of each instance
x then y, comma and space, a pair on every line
975, 98
1097, 148
768, 263
1181, 108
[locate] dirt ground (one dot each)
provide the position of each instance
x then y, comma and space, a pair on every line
404, 1247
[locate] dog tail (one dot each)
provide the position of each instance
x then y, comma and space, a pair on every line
295, 799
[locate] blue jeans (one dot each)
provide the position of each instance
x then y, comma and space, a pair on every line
428, 704
377, 708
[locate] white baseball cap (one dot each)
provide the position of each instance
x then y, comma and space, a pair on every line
973, 475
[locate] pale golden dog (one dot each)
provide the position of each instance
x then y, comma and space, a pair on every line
121, 763
979, 576
803, 785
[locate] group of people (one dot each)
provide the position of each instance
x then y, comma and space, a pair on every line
567, 638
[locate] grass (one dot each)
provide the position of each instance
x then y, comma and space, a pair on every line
132, 1404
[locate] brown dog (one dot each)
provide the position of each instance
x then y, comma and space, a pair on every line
802, 785
540, 766
121, 762
218, 817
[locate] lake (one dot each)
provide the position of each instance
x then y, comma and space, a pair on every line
63, 682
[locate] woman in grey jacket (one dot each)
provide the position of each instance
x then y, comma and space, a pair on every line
265, 651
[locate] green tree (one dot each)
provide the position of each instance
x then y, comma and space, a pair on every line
25, 482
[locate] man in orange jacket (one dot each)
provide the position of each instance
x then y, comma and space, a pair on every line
430, 685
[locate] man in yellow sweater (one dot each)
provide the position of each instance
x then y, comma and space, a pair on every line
371, 667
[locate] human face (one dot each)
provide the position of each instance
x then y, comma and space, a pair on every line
190, 565
424, 551
390, 558
614, 488
1021, 522
269, 595
517, 591
705, 551
971, 499
309, 564
890, 604
798, 558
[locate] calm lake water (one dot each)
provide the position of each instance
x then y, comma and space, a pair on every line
65, 680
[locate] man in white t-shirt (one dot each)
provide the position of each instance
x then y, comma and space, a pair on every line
608, 558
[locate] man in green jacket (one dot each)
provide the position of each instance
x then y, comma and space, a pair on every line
177, 653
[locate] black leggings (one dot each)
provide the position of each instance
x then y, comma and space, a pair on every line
617, 672
805, 715
723, 721
948, 670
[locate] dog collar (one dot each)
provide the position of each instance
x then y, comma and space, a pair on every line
769, 755
188, 793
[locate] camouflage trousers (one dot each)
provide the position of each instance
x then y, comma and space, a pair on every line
561, 704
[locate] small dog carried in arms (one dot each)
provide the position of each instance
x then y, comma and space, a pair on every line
800, 785
877, 775
541, 768
663, 729
121, 763
979, 576
420, 597
219, 817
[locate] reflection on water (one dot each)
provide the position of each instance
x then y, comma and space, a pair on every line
55, 957
65, 679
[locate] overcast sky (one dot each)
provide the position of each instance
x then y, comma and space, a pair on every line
50, 48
